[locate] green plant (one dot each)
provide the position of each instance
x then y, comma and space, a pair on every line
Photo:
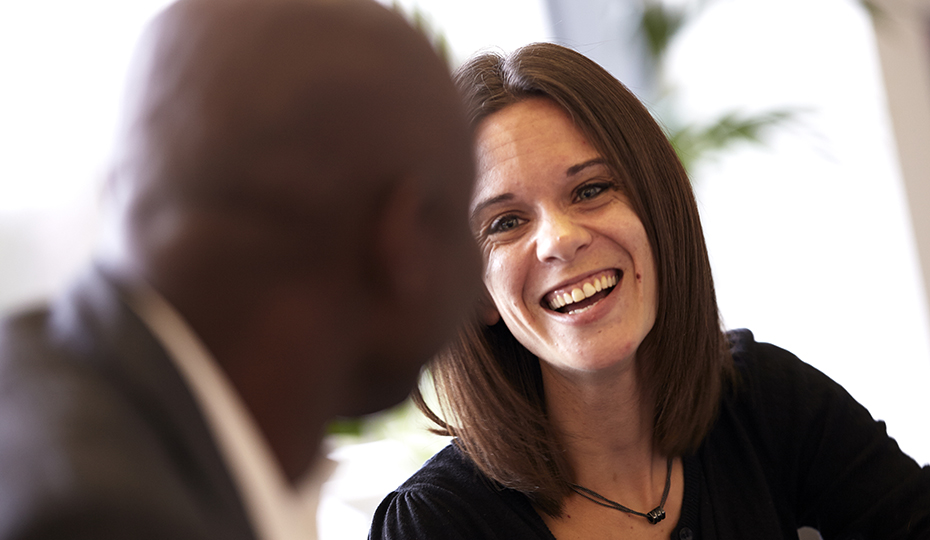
659, 25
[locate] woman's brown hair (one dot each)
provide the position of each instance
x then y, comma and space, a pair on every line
489, 387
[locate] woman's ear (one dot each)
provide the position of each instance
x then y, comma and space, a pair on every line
487, 311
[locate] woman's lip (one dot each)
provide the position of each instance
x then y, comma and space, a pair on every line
577, 289
592, 312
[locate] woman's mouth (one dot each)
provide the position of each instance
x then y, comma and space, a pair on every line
580, 296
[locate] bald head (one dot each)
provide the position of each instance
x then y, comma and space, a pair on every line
294, 177
286, 99
297, 114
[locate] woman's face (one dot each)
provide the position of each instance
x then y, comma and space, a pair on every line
566, 259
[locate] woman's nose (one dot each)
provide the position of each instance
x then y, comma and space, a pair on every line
560, 238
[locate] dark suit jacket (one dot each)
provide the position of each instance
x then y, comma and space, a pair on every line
99, 435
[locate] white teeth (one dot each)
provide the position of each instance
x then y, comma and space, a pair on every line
582, 310
586, 290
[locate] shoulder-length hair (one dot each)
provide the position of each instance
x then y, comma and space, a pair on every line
489, 387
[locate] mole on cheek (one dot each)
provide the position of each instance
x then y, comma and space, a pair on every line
639, 277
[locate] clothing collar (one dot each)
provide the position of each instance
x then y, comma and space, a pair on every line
276, 509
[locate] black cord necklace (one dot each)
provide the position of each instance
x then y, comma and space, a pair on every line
654, 516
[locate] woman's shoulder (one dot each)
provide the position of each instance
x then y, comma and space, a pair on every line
772, 371
445, 466
450, 498
824, 459
776, 393
749, 354
448, 473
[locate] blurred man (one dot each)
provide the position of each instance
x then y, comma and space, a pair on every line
290, 244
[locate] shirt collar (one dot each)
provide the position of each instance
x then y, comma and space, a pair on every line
276, 509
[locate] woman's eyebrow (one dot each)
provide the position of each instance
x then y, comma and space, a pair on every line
575, 169
571, 171
489, 202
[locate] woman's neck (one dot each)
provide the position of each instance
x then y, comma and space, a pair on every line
606, 428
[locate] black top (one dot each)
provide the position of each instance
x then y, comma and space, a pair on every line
789, 449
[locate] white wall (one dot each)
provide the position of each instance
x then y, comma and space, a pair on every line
62, 65
903, 37
810, 235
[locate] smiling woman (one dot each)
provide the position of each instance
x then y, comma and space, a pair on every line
552, 220
590, 181
594, 394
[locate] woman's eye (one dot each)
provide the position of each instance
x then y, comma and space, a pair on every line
590, 191
504, 224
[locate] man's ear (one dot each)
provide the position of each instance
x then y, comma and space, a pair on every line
428, 266
487, 310
400, 253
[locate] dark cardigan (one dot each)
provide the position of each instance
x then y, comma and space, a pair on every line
790, 448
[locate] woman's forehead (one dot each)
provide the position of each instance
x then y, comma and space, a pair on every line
529, 134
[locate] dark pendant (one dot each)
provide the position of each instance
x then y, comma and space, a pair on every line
656, 515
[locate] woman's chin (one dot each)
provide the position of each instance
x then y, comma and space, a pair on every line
592, 364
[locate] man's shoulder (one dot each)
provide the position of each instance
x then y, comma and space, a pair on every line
68, 439
22, 337
89, 442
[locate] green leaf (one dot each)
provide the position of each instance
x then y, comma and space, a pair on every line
419, 20
694, 143
346, 426
659, 25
